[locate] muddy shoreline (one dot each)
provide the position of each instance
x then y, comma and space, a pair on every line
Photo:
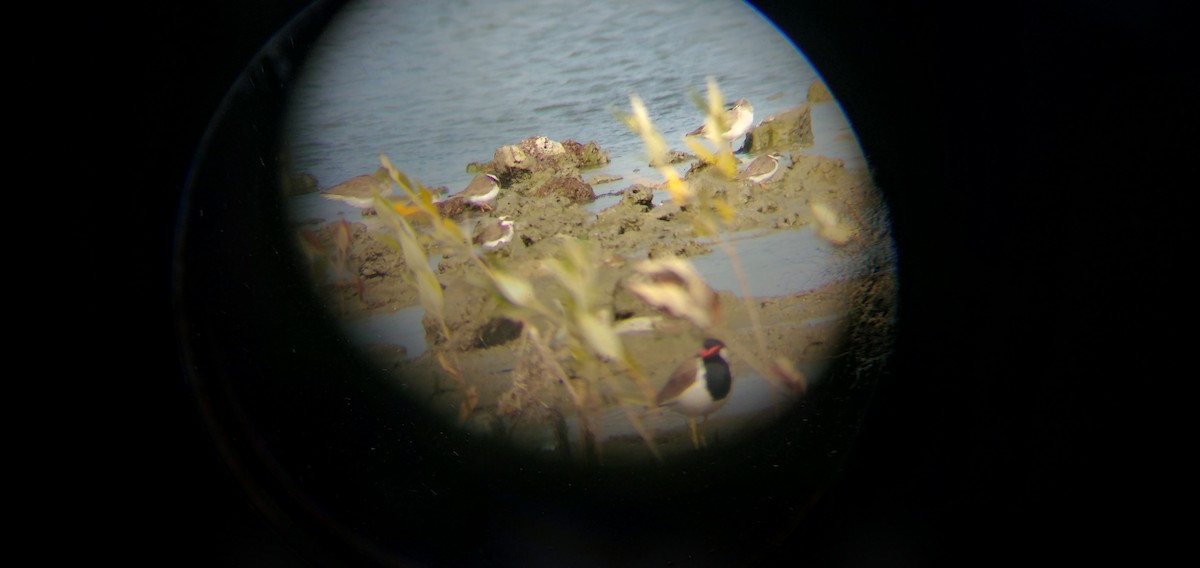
362, 275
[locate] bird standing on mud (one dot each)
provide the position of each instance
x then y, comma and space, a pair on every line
481, 191
737, 120
360, 191
494, 233
699, 386
761, 169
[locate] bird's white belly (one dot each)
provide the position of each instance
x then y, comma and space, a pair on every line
764, 175
696, 401
501, 240
359, 202
485, 197
739, 126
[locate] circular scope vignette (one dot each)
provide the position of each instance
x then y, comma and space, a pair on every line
464, 257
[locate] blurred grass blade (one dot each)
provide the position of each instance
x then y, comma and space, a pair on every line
656, 146
673, 285
831, 228
515, 289
430, 290
405, 209
723, 209
600, 336
697, 147
716, 109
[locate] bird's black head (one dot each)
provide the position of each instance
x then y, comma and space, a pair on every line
711, 347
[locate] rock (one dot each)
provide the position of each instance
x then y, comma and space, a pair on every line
539, 153
818, 92
533, 153
638, 196
542, 147
452, 208
573, 188
792, 127
697, 167
588, 155
497, 331
511, 157
674, 157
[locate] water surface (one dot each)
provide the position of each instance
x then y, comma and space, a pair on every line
437, 85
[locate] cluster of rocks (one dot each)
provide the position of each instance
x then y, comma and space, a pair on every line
538, 167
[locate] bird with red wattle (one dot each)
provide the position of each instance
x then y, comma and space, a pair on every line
699, 386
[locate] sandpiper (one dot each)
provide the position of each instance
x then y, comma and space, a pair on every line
761, 169
360, 191
738, 118
481, 191
494, 233
699, 386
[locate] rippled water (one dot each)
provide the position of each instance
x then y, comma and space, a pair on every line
436, 85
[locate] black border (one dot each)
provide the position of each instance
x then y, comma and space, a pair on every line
1004, 137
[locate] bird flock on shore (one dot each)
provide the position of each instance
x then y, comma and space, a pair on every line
703, 382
